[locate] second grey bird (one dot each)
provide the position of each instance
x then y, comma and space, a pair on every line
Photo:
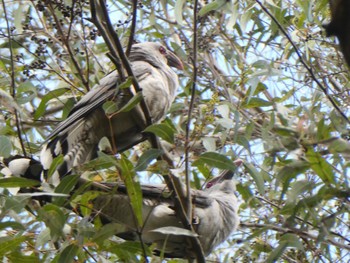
77, 138
215, 215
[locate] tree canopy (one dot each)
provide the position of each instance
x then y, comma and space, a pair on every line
262, 83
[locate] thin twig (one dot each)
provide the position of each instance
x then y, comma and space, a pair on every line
296, 232
309, 69
13, 83
188, 208
133, 27
65, 41
190, 110
98, 18
302, 220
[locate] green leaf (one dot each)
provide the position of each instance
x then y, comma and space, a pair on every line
179, 4
67, 184
15, 203
5, 146
110, 107
53, 218
172, 230
128, 250
298, 188
17, 16
163, 131
290, 171
16, 256
215, 5
292, 241
106, 232
49, 96
55, 163
68, 253
217, 160
146, 158
257, 177
276, 253
126, 84
26, 92
65, 187
257, 102
320, 166
8, 244
17, 182
339, 146
85, 201
133, 187
132, 102
11, 224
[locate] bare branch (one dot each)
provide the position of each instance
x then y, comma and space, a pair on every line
133, 27
309, 69
300, 233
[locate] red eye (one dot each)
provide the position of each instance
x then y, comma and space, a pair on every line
162, 50
210, 184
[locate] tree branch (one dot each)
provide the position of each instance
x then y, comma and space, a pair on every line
133, 27
300, 233
309, 69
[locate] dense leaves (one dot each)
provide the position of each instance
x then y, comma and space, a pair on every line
271, 89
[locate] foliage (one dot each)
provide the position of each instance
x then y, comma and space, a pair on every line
271, 89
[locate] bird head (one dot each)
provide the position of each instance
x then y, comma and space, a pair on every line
226, 175
155, 54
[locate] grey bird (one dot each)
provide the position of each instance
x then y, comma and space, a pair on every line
77, 138
215, 215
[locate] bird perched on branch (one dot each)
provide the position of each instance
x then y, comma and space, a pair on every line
77, 138
215, 210
215, 215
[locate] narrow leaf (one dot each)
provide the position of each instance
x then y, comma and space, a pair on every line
320, 166
68, 253
55, 163
132, 102
49, 96
179, 4
8, 244
11, 224
276, 253
163, 131
5, 146
146, 158
26, 92
211, 7
257, 102
17, 182
257, 177
217, 160
53, 218
133, 187
172, 230
65, 187
126, 84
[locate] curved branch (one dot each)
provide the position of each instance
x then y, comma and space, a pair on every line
324, 90
300, 233
133, 27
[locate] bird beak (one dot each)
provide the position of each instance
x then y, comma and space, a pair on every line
174, 61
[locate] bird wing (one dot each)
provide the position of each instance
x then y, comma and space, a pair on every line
107, 89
